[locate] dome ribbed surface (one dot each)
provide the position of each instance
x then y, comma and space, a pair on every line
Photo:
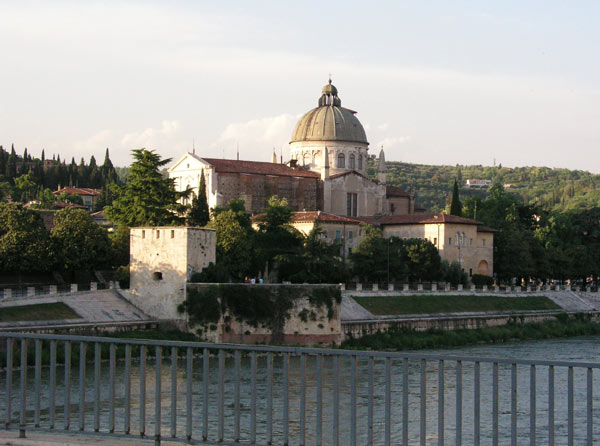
329, 123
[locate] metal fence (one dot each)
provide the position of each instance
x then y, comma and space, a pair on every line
197, 393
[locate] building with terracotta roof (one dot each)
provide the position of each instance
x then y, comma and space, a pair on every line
326, 183
327, 171
457, 239
88, 195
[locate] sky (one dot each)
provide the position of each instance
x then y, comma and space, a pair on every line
437, 82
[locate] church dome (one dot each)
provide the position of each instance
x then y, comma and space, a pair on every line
329, 121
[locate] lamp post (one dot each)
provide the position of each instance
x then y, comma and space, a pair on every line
388, 261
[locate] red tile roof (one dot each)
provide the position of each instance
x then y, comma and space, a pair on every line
318, 216
424, 219
78, 191
62, 205
485, 229
343, 174
323, 217
259, 168
393, 191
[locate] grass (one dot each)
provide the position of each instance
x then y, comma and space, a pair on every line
411, 340
38, 312
452, 304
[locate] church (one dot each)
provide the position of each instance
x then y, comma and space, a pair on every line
325, 182
327, 170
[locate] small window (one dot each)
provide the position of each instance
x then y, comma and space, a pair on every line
341, 161
157, 275
143, 234
351, 235
172, 233
435, 240
449, 241
360, 162
188, 166
483, 243
471, 242
158, 233
337, 235
351, 161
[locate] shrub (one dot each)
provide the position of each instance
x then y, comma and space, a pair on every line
481, 279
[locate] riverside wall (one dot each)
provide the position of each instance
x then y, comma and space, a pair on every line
359, 328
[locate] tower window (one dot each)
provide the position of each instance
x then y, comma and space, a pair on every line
172, 233
360, 162
158, 233
351, 162
157, 275
341, 161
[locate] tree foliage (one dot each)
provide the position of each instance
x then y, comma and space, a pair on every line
24, 241
199, 213
455, 204
148, 198
79, 244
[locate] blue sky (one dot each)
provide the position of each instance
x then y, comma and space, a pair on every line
433, 82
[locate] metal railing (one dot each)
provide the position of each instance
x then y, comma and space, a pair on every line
196, 392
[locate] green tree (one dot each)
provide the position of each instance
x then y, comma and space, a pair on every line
119, 247
79, 244
370, 258
455, 204
24, 241
199, 214
319, 261
148, 198
235, 237
277, 242
26, 186
423, 259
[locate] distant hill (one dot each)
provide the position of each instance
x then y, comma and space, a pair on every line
551, 189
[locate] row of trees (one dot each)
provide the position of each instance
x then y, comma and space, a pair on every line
24, 177
536, 244
75, 243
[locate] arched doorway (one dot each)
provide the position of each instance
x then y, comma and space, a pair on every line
482, 268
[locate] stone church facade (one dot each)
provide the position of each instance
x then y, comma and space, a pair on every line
327, 170
327, 177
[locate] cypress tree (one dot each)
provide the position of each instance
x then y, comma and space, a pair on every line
199, 213
455, 204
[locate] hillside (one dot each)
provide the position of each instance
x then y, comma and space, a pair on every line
551, 189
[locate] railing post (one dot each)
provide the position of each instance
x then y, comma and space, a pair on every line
405, 287
93, 286
30, 291
434, 287
459, 287
73, 288
342, 286
23, 416
7, 293
358, 286
390, 287
53, 289
375, 287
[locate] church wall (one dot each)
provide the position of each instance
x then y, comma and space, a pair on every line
371, 195
255, 190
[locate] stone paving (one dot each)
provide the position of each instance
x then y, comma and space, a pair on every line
102, 307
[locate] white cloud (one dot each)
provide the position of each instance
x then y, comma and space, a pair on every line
152, 137
256, 138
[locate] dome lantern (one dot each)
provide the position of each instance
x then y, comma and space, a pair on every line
329, 121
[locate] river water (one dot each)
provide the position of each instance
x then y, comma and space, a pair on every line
585, 349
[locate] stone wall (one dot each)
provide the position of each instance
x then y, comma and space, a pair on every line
261, 314
301, 193
162, 260
357, 329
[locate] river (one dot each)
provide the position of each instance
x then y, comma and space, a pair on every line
580, 349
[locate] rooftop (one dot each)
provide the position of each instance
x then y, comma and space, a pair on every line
257, 168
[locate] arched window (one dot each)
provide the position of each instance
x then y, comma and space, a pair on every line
351, 161
305, 159
341, 161
360, 162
